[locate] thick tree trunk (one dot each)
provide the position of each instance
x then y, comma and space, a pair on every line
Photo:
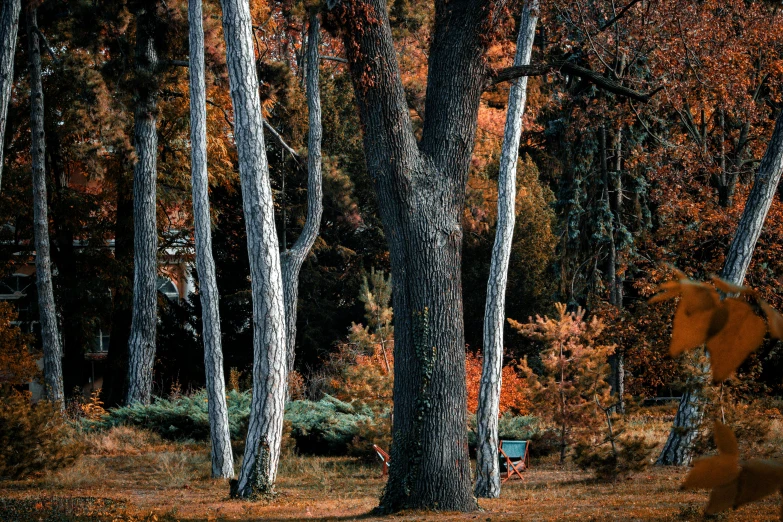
141, 345
50, 336
421, 194
222, 456
487, 466
292, 259
262, 446
678, 450
9, 25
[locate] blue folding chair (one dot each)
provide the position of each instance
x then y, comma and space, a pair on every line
513, 457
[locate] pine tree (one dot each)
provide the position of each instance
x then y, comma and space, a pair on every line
572, 389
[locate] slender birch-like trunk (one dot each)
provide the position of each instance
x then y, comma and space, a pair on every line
50, 336
292, 259
141, 345
222, 456
9, 25
487, 466
262, 446
678, 450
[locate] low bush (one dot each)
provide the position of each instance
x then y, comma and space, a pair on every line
182, 418
326, 427
510, 427
33, 437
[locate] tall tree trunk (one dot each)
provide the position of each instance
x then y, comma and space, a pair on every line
487, 465
50, 336
9, 25
141, 345
421, 194
617, 295
222, 456
115, 379
678, 450
292, 259
262, 446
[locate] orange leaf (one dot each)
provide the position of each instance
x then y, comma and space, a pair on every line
730, 288
668, 290
725, 440
774, 320
741, 334
712, 472
722, 498
694, 314
758, 479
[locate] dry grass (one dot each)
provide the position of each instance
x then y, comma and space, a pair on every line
137, 476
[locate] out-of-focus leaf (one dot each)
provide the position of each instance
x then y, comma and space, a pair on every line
712, 472
693, 317
722, 498
725, 439
668, 290
774, 320
758, 479
730, 288
742, 333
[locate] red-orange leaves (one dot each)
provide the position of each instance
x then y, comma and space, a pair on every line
729, 327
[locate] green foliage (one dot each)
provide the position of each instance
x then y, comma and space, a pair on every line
326, 427
181, 418
33, 437
510, 427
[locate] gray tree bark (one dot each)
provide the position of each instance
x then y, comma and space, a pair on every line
487, 466
262, 446
292, 259
222, 456
50, 336
421, 194
141, 345
9, 25
678, 450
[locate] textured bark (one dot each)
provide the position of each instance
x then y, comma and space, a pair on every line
421, 194
9, 25
292, 259
678, 450
262, 446
50, 336
115, 380
141, 345
487, 465
756, 208
222, 456
617, 287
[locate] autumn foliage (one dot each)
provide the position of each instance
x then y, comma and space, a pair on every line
572, 390
731, 330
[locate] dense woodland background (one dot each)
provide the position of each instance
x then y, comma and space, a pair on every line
643, 132
684, 161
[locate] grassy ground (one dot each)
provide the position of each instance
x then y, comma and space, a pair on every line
132, 475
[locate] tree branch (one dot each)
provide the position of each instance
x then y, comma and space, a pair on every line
600, 81
46, 45
268, 127
333, 58
609, 23
281, 141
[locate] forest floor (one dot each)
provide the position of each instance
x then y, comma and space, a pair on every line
129, 475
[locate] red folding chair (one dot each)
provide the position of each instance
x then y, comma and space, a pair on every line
385, 457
